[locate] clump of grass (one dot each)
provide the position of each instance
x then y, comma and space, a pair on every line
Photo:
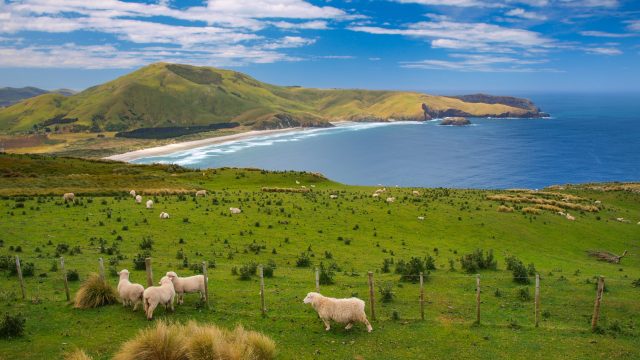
386, 292
77, 354
95, 292
531, 210
12, 326
505, 209
195, 341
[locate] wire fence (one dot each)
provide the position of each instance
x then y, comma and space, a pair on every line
488, 299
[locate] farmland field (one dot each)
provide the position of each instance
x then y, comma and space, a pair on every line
350, 234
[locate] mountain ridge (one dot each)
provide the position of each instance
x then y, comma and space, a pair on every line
176, 95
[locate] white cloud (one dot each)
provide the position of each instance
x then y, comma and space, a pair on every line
633, 25
604, 51
456, 3
306, 25
529, 15
606, 34
478, 63
289, 42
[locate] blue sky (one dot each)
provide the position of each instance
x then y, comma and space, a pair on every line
502, 46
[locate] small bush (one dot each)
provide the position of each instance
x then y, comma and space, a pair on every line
246, 271
524, 294
636, 283
12, 326
95, 292
326, 274
146, 243
519, 271
386, 292
303, 260
72, 275
410, 270
386, 265
477, 260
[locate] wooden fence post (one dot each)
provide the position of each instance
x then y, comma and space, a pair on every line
206, 283
537, 300
596, 307
19, 270
478, 299
64, 278
101, 267
147, 265
317, 280
263, 310
372, 296
421, 296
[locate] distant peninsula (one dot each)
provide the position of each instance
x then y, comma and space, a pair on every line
162, 103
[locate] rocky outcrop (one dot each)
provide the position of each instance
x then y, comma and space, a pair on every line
285, 120
455, 121
504, 100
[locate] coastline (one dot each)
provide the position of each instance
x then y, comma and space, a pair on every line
188, 145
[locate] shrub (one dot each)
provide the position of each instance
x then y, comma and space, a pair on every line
195, 341
77, 354
430, 263
477, 260
303, 260
246, 271
636, 282
12, 326
410, 271
326, 274
28, 269
146, 243
386, 292
267, 270
95, 292
524, 294
386, 265
72, 275
138, 261
520, 272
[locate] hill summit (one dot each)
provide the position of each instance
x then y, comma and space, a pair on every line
164, 95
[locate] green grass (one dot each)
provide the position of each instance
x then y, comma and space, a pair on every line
285, 224
180, 95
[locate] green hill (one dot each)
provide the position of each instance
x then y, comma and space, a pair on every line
173, 95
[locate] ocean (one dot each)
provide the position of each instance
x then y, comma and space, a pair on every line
588, 138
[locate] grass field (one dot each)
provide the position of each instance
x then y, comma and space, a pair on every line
354, 231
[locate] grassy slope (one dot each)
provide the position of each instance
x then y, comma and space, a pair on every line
555, 245
168, 95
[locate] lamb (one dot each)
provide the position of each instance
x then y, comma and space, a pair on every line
570, 217
149, 204
344, 311
69, 197
201, 193
333, 196
416, 193
138, 199
189, 284
375, 195
132, 193
235, 210
420, 217
130, 293
164, 215
156, 295
391, 199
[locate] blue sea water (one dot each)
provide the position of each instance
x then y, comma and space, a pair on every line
589, 138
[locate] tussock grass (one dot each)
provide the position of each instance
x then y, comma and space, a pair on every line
503, 208
193, 341
543, 201
77, 354
291, 190
548, 207
531, 210
95, 292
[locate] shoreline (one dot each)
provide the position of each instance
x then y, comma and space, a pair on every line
188, 145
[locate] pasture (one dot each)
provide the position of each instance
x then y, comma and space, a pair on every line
292, 233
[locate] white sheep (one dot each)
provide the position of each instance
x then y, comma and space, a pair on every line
333, 196
156, 295
391, 199
597, 202
343, 311
191, 284
235, 210
69, 197
415, 193
138, 199
375, 195
164, 215
201, 193
570, 217
132, 193
130, 293
420, 217
149, 204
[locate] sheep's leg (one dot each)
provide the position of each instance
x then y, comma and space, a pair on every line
369, 327
150, 311
349, 326
327, 325
181, 298
135, 306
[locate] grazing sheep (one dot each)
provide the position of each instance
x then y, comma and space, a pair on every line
149, 204
313, 186
164, 215
235, 210
69, 197
380, 191
201, 193
420, 217
130, 293
297, 182
597, 202
375, 195
333, 196
391, 199
344, 311
569, 217
191, 284
138, 199
132, 193
156, 295
416, 193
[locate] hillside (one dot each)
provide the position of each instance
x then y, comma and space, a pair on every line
173, 95
293, 231
10, 95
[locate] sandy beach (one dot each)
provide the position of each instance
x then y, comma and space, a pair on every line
186, 145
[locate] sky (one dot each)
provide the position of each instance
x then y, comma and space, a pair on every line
501, 46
